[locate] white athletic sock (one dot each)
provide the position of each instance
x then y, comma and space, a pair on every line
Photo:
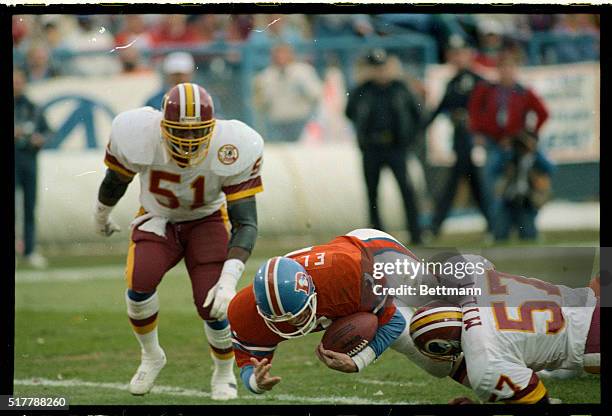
143, 317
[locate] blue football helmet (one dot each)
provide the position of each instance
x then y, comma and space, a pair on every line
284, 290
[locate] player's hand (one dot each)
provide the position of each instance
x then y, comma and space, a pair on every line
107, 228
336, 360
222, 293
104, 225
225, 289
262, 374
461, 400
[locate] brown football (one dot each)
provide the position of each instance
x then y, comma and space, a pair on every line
350, 334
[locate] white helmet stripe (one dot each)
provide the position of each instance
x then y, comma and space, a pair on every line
196, 96
435, 310
183, 102
430, 327
268, 286
278, 298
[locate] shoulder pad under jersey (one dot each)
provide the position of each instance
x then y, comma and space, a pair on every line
137, 134
234, 147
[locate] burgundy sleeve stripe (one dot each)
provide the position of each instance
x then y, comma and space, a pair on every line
251, 183
113, 161
531, 386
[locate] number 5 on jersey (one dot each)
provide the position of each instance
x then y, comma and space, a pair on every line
169, 199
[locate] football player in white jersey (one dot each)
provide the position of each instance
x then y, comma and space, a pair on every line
514, 328
198, 180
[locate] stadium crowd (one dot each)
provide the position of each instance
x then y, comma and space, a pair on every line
38, 38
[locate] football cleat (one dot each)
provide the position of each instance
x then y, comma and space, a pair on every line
145, 376
223, 386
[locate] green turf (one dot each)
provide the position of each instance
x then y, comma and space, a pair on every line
78, 330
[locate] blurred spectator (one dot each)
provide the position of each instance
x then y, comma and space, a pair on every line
454, 103
541, 22
173, 30
31, 131
38, 65
90, 36
386, 117
131, 61
177, 67
286, 93
20, 30
334, 25
501, 112
490, 42
441, 27
239, 27
524, 188
134, 32
585, 47
206, 26
52, 34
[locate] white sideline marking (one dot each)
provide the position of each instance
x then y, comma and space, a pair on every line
390, 383
179, 391
70, 274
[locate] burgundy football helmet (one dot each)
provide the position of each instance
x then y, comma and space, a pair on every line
435, 329
188, 123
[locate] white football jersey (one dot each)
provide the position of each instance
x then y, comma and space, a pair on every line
519, 326
230, 171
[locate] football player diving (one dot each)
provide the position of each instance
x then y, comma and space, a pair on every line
198, 180
305, 290
515, 328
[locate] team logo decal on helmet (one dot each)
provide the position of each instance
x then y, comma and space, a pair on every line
285, 295
302, 282
435, 329
227, 154
188, 123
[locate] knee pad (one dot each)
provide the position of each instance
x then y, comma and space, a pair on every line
219, 336
143, 309
138, 296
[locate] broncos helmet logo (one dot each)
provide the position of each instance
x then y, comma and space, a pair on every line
302, 282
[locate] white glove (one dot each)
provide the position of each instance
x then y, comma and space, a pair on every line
225, 289
104, 225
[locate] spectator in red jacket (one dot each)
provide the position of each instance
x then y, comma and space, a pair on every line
501, 113
499, 110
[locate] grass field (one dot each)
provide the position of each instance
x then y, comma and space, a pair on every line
72, 338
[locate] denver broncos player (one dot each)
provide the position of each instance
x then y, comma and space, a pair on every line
306, 290
195, 173
517, 327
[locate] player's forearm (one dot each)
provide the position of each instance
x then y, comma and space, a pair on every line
248, 379
243, 216
112, 188
385, 336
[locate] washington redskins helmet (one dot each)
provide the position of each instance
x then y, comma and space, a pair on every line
188, 123
435, 329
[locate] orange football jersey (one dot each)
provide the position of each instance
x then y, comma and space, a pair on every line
341, 271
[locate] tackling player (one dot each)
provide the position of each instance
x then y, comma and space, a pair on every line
306, 290
518, 326
197, 175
